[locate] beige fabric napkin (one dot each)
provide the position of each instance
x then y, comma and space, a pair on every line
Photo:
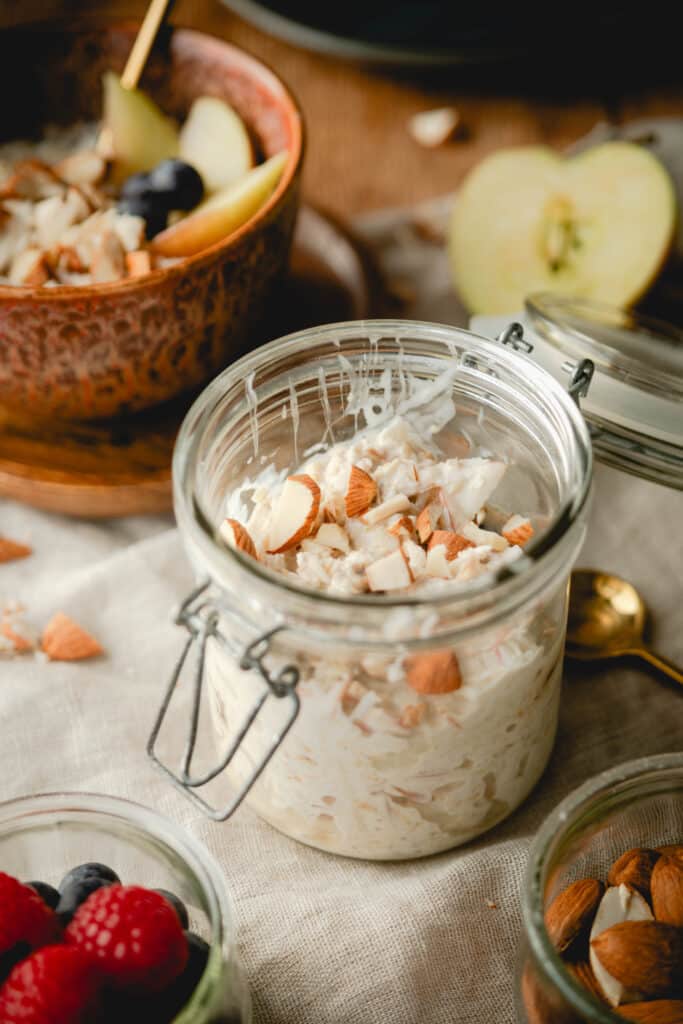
325, 940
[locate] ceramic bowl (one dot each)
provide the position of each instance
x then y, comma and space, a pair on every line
107, 349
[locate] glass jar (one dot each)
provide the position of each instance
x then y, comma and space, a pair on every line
366, 768
636, 804
42, 837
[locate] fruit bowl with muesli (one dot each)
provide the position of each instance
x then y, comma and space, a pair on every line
141, 230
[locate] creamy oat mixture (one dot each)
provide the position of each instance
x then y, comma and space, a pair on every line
58, 220
396, 753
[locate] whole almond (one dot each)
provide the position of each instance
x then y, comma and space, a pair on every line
643, 956
434, 672
673, 850
634, 868
667, 891
583, 973
657, 1011
570, 915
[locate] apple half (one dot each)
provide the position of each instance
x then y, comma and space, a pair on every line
598, 225
215, 141
139, 136
223, 213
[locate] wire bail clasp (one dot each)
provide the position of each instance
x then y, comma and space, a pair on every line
199, 616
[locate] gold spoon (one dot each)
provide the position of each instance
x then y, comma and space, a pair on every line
607, 620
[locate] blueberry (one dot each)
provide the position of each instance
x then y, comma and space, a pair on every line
178, 183
46, 892
135, 186
76, 893
178, 906
153, 215
90, 869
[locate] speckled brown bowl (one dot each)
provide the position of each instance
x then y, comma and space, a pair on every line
106, 349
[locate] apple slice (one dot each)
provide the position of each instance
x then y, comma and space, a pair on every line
598, 225
223, 213
215, 141
139, 135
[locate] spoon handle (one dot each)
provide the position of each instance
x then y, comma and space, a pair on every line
659, 662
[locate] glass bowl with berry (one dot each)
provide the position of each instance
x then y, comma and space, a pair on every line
108, 911
603, 902
142, 230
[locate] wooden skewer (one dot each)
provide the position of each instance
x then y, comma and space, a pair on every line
137, 58
143, 43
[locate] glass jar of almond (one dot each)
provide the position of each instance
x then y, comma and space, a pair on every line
603, 902
382, 517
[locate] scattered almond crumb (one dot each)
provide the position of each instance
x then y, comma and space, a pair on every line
491, 905
64, 640
11, 550
432, 128
20, 644
411, 715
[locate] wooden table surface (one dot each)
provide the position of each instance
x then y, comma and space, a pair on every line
360, 156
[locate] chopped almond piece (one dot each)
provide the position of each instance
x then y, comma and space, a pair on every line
32, 179
331, 535
454, 543
20, 643
138, 262
411, 715
404, 526
86, 167
399, 503
237, 536
389, 573
351, 696
479, 536
11, 550
295, 514
29, 268
360, 493
108, 262
434, 672
517, 530
432, 128
327, 516
64, 259
428, 520
64, 640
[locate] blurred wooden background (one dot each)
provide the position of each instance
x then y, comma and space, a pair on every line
360, 155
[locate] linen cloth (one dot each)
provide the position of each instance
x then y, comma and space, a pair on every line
326, 940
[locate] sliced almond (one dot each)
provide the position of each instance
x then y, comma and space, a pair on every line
428, 520
517, 530
85, 167
643, 956
138, 262
453, 543
569, 917
388, 508
389, 573
11, 550
481, 537
64, 640
432, 128
634, 869
667, 891
403, 526
619, 904
108, 262
331, 535
237, 536
295, 513
437, 565
434, 672
360, 493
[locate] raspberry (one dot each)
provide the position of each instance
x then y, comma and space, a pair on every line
133, 935
24, 916
56, 985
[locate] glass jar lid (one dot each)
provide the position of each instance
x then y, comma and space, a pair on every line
634, 405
